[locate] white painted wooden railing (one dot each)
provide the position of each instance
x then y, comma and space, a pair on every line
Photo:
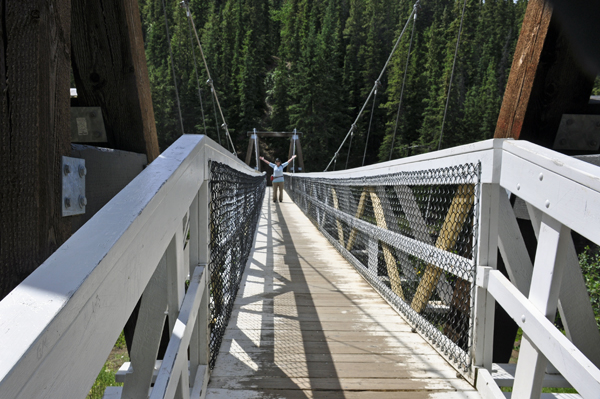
561, 194
58, 327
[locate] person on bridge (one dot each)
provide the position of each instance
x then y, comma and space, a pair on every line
277, 176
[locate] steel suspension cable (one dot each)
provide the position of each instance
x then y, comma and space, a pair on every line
462, 16
412, 34
196, 72
349, 147
369, 129
173, 66
210, 81
212, 99
374, 86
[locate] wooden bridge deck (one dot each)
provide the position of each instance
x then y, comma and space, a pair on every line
306, 325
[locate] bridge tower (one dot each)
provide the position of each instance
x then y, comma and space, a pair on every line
295, 147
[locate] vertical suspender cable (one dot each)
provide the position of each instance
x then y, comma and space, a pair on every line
349, 147
173, 66
452, 73
210, 81
196, 72
212, 98
403, 84
370, 121
294, 160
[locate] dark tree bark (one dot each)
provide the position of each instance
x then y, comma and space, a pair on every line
109, 66
34, 133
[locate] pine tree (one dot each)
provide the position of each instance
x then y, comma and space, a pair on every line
310, 65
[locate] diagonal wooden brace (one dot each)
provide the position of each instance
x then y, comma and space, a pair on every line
453, 224
337, 221
390, 261
359, 211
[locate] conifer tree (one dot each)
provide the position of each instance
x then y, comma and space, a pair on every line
310, 65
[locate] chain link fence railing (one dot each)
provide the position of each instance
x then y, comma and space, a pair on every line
412, 236
235, 205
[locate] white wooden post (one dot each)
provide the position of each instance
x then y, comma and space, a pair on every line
176, 276
487, 250
512, 247
147, 335
543, 294
199, 352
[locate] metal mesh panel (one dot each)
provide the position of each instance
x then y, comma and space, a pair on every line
235, 205
412, 236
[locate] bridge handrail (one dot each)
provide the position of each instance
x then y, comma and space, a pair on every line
59, 325
561, 194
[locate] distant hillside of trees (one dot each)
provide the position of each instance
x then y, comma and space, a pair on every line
310, 64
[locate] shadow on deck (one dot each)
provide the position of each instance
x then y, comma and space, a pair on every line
306, 325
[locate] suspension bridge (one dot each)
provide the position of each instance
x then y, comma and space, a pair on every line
392, 280
393, 298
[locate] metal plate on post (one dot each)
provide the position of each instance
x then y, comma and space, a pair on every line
87, 125
73, 186
578, 133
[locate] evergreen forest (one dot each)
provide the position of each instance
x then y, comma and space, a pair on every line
279, 65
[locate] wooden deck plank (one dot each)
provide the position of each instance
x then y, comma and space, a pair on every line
370, 358
305, 324
343, 384
303, 394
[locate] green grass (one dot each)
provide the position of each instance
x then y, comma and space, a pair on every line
515, 356
589, 261
106, 377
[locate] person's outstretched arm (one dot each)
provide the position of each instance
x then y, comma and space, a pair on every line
290, 160
265, 161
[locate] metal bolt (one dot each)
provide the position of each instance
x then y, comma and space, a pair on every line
67, 169
82, 201
67, 202
523, 318
547, 204
541, 176
570, 122
82, 171
593, 143
92, 114
518, 187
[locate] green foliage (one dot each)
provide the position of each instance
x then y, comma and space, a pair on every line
596, 89
106, 377
590, 266
310, 64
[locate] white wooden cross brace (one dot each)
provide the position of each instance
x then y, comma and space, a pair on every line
543, 295
175, 362
573, 302
569, 360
